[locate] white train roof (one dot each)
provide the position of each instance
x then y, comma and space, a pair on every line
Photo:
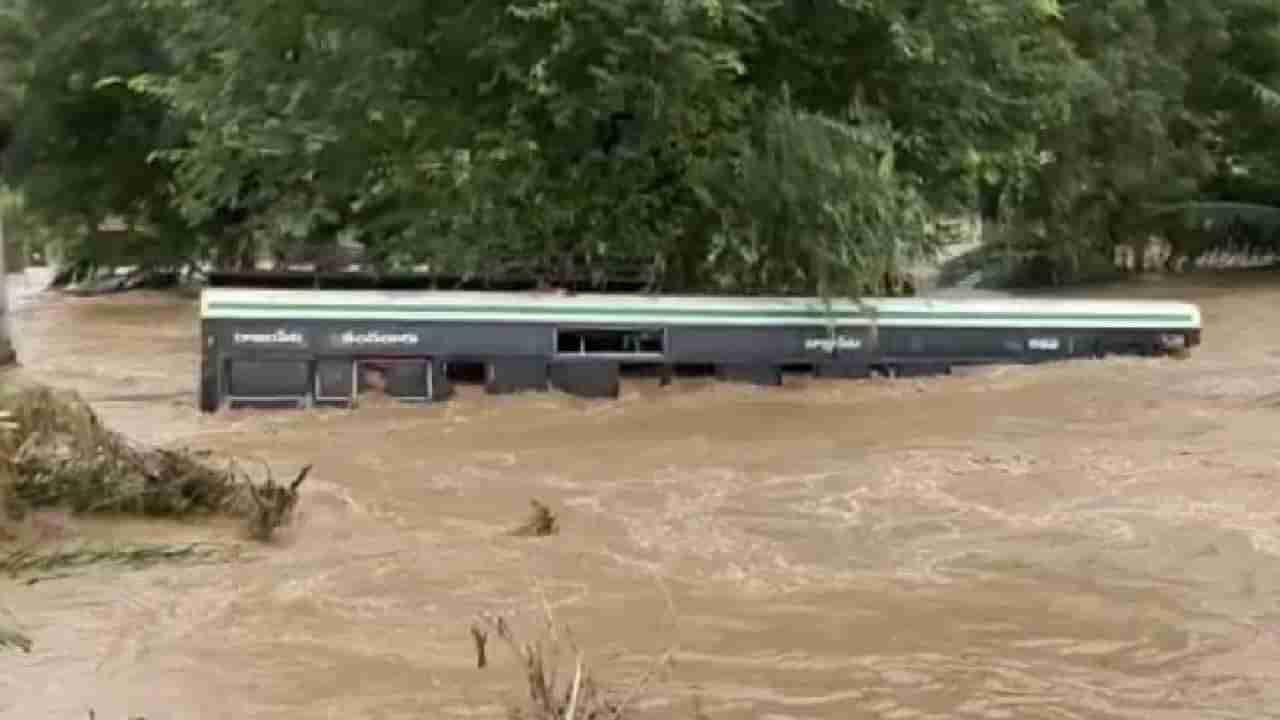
489, 307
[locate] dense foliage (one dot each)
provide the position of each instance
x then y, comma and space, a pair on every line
781, 144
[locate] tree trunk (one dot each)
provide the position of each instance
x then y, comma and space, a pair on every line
7, 355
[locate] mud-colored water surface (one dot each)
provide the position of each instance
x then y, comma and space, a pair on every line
1094, 540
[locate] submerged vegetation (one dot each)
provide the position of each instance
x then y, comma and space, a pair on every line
56, 453
560, 682
273, 504
26, 561
12, 639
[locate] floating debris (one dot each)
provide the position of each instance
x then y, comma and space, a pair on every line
12, 639
56, 453
27, 560
541, 522
273, 504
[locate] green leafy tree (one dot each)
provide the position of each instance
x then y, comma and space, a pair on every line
1164, 99
568, 140
81, 151
733, 144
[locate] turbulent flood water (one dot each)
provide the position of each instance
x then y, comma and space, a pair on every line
1088, 540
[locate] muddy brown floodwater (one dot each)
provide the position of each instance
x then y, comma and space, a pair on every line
1095, 540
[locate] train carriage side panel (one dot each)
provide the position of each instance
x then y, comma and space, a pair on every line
778, 345
259, 344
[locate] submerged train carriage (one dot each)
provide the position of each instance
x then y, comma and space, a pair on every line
296, 347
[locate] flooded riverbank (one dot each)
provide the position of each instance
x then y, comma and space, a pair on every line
1086, 540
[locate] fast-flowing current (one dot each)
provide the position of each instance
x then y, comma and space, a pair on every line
1095, 539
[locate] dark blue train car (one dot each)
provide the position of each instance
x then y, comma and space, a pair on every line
298, 347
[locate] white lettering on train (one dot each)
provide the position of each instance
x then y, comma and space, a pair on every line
841, 342
373, 337
1044, 343
279, 337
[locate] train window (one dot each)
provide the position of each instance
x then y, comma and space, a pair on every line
624, 341
466, 373
268, 379
334, 380
403, 379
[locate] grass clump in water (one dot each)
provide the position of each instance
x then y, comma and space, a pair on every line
59, 454
56, 453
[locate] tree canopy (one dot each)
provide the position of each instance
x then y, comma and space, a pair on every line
807, 145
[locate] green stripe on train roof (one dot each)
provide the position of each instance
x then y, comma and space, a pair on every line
463, 310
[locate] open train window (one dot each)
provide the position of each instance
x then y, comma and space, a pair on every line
616, 341
466, 372
403, 379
